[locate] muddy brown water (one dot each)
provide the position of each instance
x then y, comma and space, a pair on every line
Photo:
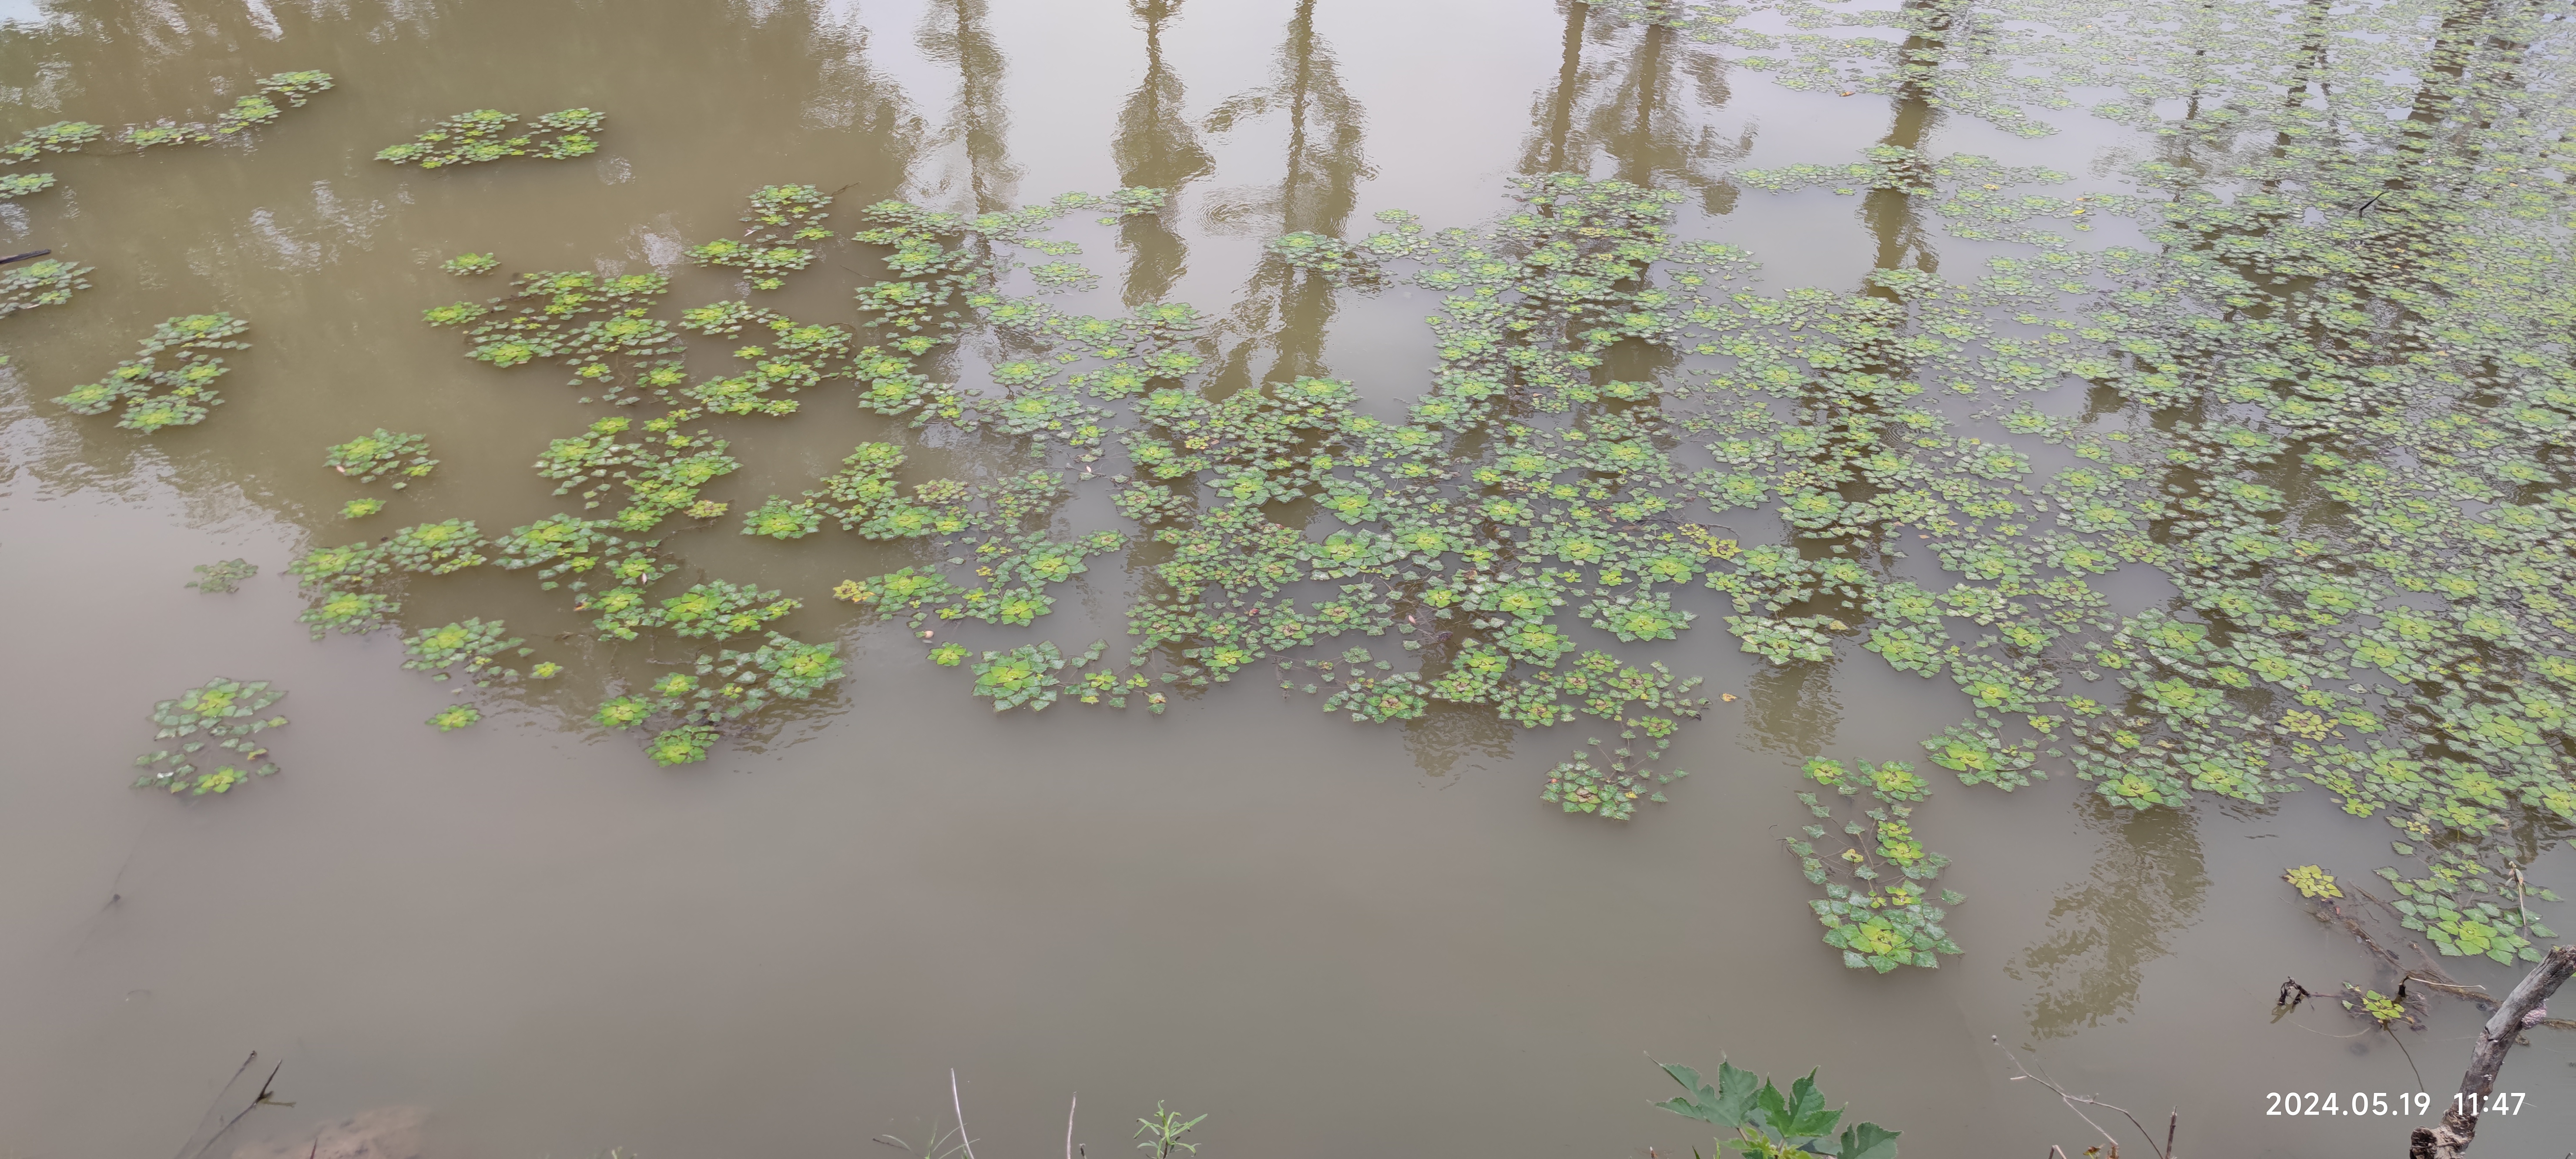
1332, 938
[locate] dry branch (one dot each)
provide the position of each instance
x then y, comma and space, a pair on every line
2460, 1124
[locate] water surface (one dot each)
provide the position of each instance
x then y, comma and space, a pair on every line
1332, 937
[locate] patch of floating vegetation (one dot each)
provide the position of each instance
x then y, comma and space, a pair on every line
2312, 882
59, 137
780, 519
2327, 404
225, 577
468, 265
595, 325
368, 458
686, 708
454, 717
156, 396
248, 112
16, 185
474, 649
259, 108
485, 135
1877, 920
43, 282
223, 713
784, 219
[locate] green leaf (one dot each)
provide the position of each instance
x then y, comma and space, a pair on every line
1700, 1103
1867, 1141
1807, 1115
1769, 1105
1727, 1105
1735, 1093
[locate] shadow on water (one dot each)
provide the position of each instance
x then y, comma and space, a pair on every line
2146, 885
1439, 739
1794, 709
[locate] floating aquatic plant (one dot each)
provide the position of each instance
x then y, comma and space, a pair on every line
343, 610
683, 745
340, 582
780, 519
716, 609
368, 458
488, 135
59, 137
248, 112
222, 713
570, 546
791, 357
595, 325
472, 646
468, 265
361, 508
435, 548
2312, 882
154, 395
784, 220
1329, 256
223, 577
690, 708
44, 282
720, 609
454, 717
1025, 677
1878, 921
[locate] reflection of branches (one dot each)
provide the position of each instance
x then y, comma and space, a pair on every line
1315, 194
2147, 881
1155, 147
1325, 163
979, 122
1794, 709
851, 94
1893, 218
1439, 737
1632, 110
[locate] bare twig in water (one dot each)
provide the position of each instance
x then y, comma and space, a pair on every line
2165, 1152
215, 1125
2401, 1049
1068, 1124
